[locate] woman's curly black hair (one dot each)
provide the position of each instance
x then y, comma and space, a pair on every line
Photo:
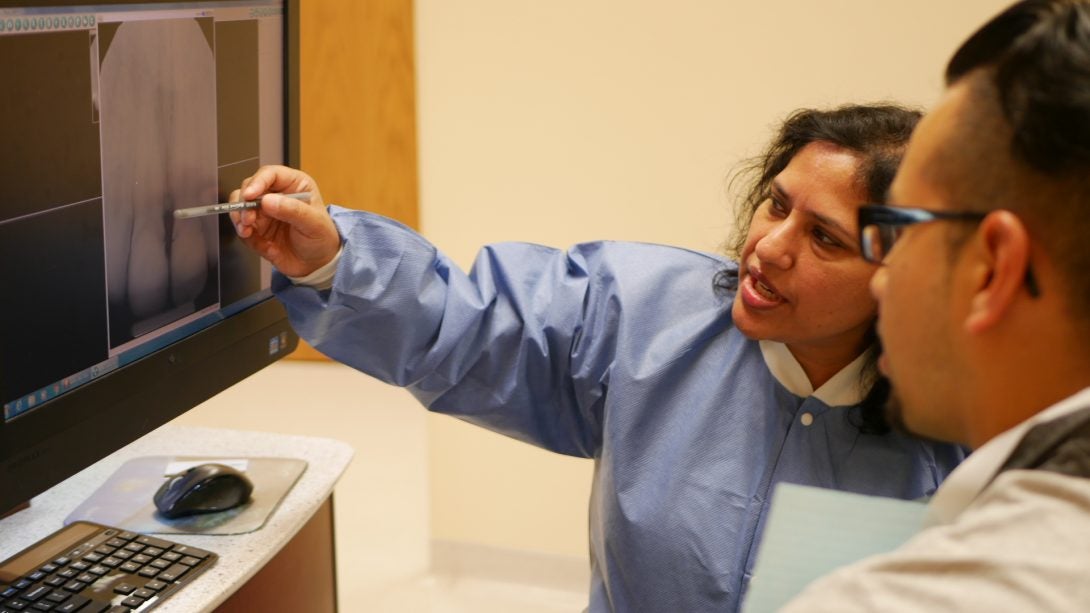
878, 134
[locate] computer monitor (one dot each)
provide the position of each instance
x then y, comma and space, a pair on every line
115, 317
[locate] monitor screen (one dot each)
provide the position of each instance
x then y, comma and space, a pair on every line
115, 316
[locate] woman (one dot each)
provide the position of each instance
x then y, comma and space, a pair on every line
693, 397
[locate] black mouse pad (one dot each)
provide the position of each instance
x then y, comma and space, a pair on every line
125, 499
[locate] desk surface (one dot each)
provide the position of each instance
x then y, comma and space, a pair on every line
241, 555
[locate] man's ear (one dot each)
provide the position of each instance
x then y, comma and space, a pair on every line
1002, 247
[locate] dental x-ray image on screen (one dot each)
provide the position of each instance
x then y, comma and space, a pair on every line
158, 154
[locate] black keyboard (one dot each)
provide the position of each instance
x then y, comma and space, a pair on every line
91, 568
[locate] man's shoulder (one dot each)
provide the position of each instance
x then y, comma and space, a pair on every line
1023, 545
1060, 445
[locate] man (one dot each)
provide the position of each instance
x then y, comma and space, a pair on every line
985, 319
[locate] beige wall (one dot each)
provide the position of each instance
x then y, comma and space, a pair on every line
570, 120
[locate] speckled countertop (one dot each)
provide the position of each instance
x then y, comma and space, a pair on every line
241, 555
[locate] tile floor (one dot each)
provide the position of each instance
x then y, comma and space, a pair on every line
381, 503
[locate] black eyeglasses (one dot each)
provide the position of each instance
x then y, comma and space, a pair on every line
880, 226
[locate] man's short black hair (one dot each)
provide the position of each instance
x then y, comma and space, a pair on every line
1038, 52
1022, 141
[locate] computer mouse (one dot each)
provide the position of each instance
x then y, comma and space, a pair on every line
205, 488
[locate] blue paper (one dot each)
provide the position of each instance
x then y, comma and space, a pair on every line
812, 531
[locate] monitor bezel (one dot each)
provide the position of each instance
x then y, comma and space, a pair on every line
57, 440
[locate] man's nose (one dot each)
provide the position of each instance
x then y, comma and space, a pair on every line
878, 283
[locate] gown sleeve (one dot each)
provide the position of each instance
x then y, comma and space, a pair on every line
523, 344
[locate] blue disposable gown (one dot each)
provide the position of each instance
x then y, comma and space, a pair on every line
619, 352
